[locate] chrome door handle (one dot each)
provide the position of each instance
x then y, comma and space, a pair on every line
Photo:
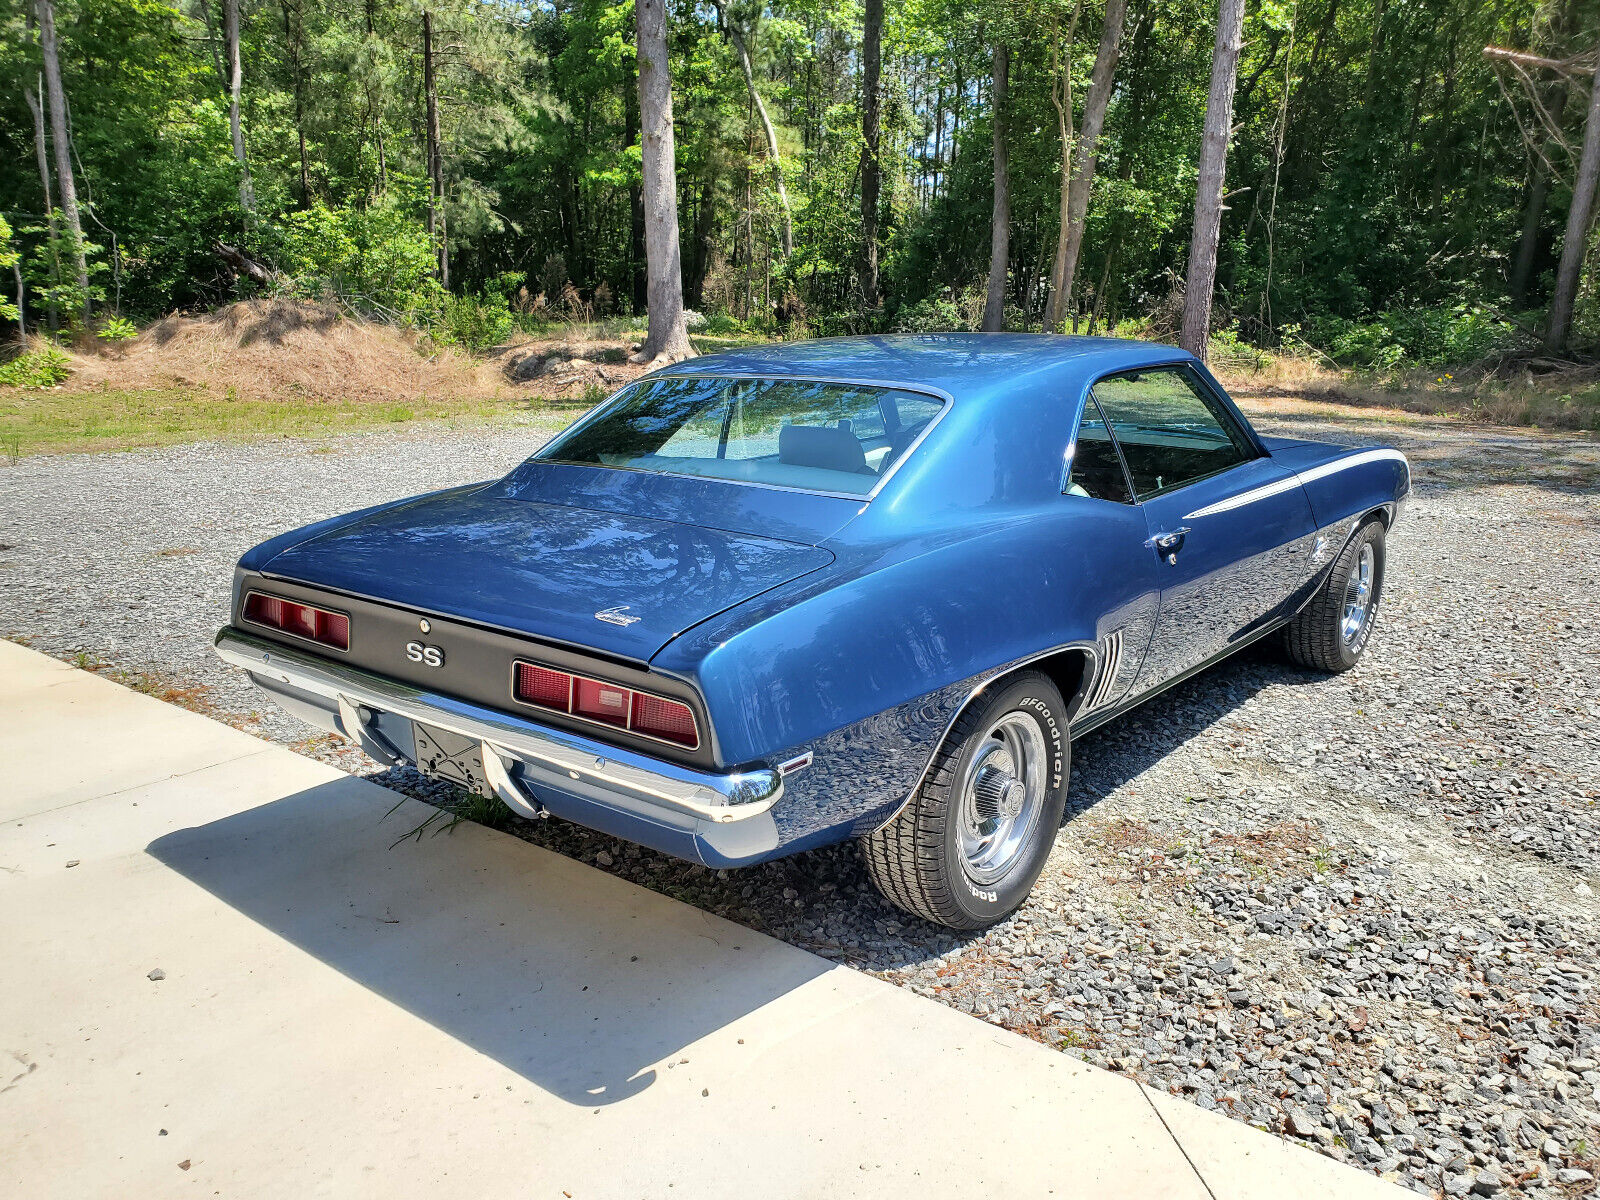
1168, 544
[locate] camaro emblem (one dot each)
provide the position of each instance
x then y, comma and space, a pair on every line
616, 615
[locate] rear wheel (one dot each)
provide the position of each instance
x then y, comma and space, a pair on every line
1332, 631
969, 844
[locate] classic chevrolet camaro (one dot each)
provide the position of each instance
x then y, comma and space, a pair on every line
867, 588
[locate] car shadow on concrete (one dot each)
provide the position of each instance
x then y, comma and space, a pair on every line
580, 984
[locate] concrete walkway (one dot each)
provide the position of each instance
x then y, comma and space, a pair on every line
472, 1016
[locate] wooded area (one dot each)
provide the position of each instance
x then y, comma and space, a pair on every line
1383, 180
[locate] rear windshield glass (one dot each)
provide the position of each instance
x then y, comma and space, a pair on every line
816, 436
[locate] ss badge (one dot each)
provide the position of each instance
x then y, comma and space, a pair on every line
428, 656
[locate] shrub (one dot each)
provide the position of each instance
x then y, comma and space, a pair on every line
476, 322
937, 314
117, 329
1426, 337
374, 258
41, 368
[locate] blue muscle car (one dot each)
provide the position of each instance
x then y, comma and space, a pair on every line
863, 588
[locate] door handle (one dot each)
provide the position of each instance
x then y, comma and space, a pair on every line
1168, 544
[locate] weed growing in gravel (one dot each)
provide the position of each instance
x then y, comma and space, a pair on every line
465, 806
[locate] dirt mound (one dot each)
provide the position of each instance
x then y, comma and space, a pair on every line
292, 350
285, 349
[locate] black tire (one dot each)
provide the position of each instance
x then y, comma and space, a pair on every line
1317, 638
917, 860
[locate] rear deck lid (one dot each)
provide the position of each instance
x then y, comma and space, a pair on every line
618, 583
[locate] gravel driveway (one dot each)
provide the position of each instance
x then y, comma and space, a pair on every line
1358, 911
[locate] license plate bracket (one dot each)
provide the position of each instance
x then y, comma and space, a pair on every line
452, 757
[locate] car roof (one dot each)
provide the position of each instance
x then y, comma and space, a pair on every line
956, 363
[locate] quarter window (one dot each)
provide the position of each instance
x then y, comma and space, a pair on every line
1171, 432
1096, 468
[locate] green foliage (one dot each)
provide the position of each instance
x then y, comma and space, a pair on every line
1424, 337
476, 322
374, 258
9, 257
41, 368
1378, 175
117, 329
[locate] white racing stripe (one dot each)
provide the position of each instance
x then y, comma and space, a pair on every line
1280, 486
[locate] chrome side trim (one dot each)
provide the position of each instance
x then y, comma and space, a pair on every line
1276, 488
1107, 677
701, 794
1092, 649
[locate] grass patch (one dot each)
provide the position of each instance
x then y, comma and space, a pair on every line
60, 420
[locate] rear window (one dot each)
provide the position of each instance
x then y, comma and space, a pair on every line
807, 434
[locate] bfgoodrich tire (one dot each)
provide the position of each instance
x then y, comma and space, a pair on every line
1332, 631
970, 843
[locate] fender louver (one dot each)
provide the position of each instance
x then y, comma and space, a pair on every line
1105, 683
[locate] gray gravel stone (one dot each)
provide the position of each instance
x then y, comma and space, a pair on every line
1357, 909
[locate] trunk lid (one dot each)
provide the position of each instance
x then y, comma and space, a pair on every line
545, 569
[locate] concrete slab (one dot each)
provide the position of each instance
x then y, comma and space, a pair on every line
67, 735
1242, 1163
339, 1013
23, 668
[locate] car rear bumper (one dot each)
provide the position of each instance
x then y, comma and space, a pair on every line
720, 820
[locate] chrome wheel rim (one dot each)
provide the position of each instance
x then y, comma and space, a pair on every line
1358, 597
1002, 795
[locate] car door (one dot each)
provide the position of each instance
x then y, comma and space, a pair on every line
1120, 579
1231, 529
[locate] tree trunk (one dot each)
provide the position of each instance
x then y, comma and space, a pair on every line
630, 134
62, 144
667, 338
375, 103
22, 305
742, 52
230, 34
1202, 275
212, 42
436, 221
1055, 305
994, 306
1095, 103
42, 150
871, 167
704, 224
1532, 216
292, 35
1576, 239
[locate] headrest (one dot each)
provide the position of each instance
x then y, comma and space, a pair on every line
821, 446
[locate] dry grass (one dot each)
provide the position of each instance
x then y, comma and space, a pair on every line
1564, 398
282, 368
285, 350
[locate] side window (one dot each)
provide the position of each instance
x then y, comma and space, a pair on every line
1096, 469
1171, 433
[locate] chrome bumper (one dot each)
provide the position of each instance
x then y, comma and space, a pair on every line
632, 779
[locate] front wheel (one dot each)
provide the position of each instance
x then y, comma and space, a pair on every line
1331, 632
969, 844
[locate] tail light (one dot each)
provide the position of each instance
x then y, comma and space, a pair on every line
300, 620
606, 704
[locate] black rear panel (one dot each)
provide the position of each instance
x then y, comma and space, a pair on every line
476, 663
